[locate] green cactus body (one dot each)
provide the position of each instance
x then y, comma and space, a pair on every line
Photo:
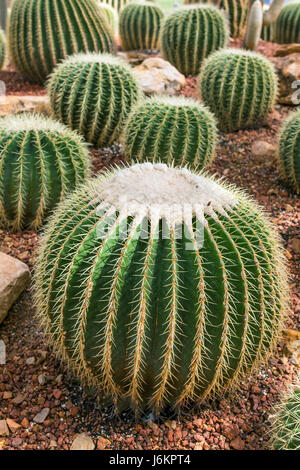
110, 14
239, 87
93, 93
289, 151
43, 32
41, 161
160, 286
236, 11
2, 48
117, 4
139, 26
190, 34
285, 428
170, 129
268, 33
288, 24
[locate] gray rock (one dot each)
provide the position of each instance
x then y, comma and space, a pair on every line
157, 76
41, 416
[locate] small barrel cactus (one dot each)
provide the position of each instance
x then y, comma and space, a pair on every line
2, 48
170, 129
236, 11
160, 286
190, 34
285, 428
41, 161
41, 34
288, 24
289, 151
110, 14
93, 93
139, 25
240, 87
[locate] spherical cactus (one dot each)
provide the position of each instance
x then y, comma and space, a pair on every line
41, 161
236, 11
192, 33
288, 24
110, 14
139, 26
240, 87
41, 36
2, 48
289, 151
170, 129
285, 428
160, 286
93, 93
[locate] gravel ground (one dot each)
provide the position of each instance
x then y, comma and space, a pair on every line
33, 380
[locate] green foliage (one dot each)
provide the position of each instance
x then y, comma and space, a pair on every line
41, 161
93, 93
171, 129
236, 11
240, 88
2, 48
139, 26
171, 299
286, 422
190, 34
289, 151
288, 24
110, 14
41, 36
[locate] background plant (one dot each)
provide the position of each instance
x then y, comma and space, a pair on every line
110, 14
289, 151
288, 24
2, 48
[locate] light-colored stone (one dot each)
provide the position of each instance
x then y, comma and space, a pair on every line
13, 104
41, 416
287, 49
296, 245
4, 431
157, 76
291, 347
288, 69
13, 426
133, 57
83, 442
262, 149
14, 278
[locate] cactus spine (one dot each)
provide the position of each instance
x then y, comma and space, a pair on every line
71, 25
139, 26
240, 88
288, 24
236, 11
93, 93
160, 286
41, 161
286, 422
110, 14
289, 151
192, 33
2, 48
170, 129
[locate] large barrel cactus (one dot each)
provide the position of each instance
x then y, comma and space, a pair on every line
190, 34
93, 93
288, 24
236, 11
285, 428
2, 48
289, 151
160, 286
240, 87
139, 25
42, 33
41, 161
170, 129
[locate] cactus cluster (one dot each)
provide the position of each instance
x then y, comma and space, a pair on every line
239, 87
93, 93
289, 151
170, 129
190, 34
160, 286
288, 24
285, 428
110, 14
41, 161
41, 34
236, 11
2, 48
139, 25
